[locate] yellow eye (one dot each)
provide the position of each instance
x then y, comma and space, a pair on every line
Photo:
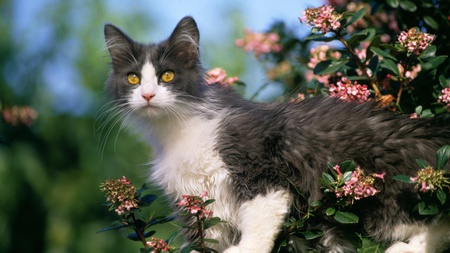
167, 76
133, 79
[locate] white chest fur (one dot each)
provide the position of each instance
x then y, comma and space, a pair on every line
187, 163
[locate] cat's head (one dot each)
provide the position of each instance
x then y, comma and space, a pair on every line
155, 79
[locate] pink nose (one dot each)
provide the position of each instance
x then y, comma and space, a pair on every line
148, 96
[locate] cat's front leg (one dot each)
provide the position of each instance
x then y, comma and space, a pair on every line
260, 221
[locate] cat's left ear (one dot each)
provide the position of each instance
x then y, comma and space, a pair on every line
185, 41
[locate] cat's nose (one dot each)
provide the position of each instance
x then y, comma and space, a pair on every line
148, 96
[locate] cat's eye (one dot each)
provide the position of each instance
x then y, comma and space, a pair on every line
133, 79
167, 76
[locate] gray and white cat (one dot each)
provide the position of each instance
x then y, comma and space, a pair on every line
247, 155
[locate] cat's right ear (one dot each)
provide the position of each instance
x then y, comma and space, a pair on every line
119, 44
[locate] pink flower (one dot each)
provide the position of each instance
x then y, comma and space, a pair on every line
195, 205
429, 179
259, 43
444, 97
19, 115
218, 75
414, 41
337, 169
347, 91
324, 18
358, 186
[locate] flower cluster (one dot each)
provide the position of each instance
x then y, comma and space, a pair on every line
358, 186
413, 41
347, 91
159, 245
195, 205
17, 115
322, 18
218, 75
259, 43
316, 55
445, 97
429, 179
121, 194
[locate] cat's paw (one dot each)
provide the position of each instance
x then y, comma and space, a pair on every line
233, 249
401, 247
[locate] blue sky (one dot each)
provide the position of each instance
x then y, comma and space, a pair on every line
213, 19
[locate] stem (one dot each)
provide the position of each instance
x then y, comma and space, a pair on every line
139, 232
403, 79
201, 235
361, 65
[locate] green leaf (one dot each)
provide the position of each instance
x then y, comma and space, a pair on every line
312, 234
363, 35
357, 16
393, 3
429, 52
369, 246
330, 211
111, 228
431, 22
391, 66
403, 178
441, 196
208, 202
346, 217
422, 164
382, 53
347, 175
442, 156
329, 180
428, 209
211, 222
347, 165
443, 81
147, 200
434, 63
418, 110
316, 203
328, 66
408, 5
210, 240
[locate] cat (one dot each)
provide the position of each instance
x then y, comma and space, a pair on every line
252, 157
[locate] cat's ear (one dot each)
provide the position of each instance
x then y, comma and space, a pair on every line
119, 44
184, 41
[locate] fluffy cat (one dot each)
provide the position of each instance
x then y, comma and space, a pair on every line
247, 155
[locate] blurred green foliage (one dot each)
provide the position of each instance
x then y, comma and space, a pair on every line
50, 171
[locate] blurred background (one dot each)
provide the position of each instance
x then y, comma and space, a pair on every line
53, 64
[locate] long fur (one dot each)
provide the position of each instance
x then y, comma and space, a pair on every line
253, 157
